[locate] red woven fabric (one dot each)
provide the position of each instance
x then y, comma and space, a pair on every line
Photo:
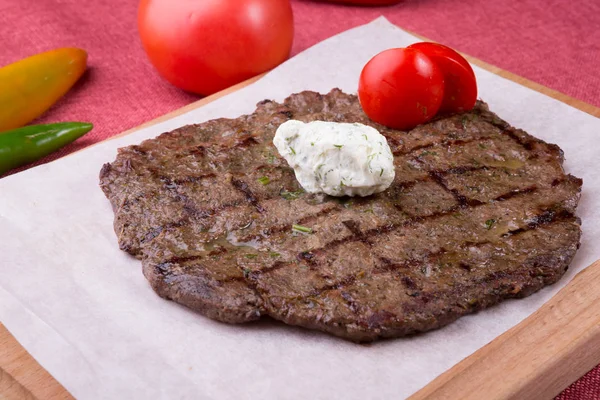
553, 42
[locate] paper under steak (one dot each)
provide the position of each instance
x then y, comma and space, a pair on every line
478, 212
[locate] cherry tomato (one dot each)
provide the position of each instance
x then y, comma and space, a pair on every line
204, 46
401, 88
460, 86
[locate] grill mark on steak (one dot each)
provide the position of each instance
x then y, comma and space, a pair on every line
371, 235
446, 143
516, 192
182, 260
193, 178
409, 283
496, 285
288, 114
441, 173
527, 145
353, 227
464, 169
544, 218
308, 257
276, 266
153, 233
238, 142
173, 186
242, 187
246, 142
386, 265
234, 279
347, 281
361, 276
409, 184
350, 302
435, 175
462, 200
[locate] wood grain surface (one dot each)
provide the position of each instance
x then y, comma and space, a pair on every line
567, 327
537, 358
21, 377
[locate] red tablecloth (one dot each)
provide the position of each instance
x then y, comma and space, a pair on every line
553, 42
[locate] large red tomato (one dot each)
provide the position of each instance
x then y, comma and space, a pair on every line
204, 46
460, 86
401, 88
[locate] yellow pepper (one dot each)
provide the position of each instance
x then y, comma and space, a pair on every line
31, 86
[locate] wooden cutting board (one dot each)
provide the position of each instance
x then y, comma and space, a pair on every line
536, 359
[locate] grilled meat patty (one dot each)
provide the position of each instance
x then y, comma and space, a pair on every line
478, 212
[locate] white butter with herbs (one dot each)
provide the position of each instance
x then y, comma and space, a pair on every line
338, 159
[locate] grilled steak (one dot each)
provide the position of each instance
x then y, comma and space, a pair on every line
478, 212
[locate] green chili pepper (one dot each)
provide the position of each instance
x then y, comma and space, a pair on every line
25, 145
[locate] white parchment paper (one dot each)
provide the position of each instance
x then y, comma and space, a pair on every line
83, 309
